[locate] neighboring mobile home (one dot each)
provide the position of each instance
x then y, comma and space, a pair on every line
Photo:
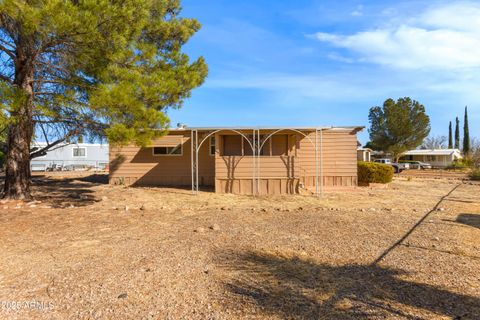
242, 160
75, 156
364, 154
439, 158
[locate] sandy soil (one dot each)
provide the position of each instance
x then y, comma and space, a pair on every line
88, 250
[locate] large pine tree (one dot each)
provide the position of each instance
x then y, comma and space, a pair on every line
466, 135
457, 133
450, 138
100, 68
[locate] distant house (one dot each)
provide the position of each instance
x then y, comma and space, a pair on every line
364, 154
439, 158
77, 156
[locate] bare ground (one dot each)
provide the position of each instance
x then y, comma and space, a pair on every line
365, 254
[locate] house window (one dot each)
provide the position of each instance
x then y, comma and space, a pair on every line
279, 145
168, 151
79, 152
232, 145
431, 158
212, 146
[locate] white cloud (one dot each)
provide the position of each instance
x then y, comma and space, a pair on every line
358, 12
442, 37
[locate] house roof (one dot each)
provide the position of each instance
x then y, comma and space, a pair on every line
353, 128
432, 152
64, 144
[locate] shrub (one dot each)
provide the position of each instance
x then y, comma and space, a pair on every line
475, 174
371, 172
460, 164
2, 159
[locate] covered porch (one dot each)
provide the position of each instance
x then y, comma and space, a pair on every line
261, 160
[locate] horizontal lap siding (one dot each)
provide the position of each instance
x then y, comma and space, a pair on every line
135, 165
338, 152
239, 167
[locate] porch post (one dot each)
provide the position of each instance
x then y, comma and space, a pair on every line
191, 161
321, 163
254, 164
316, 162
196, 159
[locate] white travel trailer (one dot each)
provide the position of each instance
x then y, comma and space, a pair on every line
75, 156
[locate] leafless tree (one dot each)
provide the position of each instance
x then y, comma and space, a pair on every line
434, 142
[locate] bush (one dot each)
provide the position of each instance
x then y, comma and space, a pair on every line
475, 174
371, 172
2, 160
460, 164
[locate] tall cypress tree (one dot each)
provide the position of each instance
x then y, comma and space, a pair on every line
450, 138
457, 133
466, 135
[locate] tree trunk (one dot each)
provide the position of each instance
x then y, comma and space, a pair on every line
17, 170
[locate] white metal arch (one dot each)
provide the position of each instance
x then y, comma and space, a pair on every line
195, 146
256, 145
315, 146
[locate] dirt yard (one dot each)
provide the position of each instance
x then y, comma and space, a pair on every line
87, 250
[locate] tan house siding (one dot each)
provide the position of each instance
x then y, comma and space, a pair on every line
276, 173
133, 165
337, 151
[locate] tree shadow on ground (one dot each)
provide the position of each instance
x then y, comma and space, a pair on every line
292, 287
470, 219
67, 192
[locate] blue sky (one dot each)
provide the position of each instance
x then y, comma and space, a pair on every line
301, 63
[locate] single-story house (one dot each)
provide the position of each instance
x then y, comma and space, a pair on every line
364, 154
74, 156
439, 158
242, 160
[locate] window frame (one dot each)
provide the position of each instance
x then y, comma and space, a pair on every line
168, 154
212, 145
76, 148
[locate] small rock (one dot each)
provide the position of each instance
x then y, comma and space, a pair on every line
363, 210
440, 209
71, 206
123, 295
199, 230
436, 239
300, 208
373, 209
126, 208
215, 227
223, 208
143, 207
263, 210
104, 198
430, 221
33, 206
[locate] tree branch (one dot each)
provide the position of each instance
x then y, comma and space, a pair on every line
42, 151
5, 78
8, 52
